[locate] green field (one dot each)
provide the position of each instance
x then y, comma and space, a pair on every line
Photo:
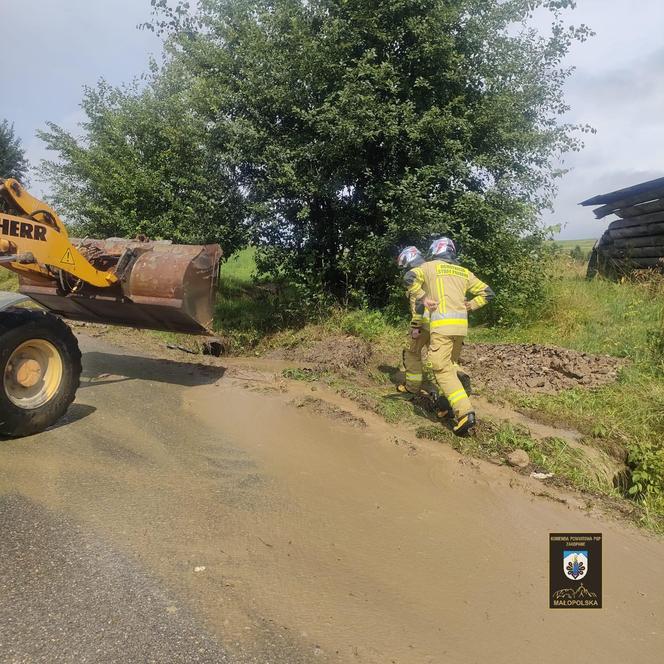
584, 245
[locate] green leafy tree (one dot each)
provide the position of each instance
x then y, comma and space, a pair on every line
362, 125
147, 165
338, 130
13, 162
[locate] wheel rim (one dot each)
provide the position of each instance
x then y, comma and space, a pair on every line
33, 374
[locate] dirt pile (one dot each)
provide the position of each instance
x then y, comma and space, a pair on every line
535, 368
329, 410
332, 354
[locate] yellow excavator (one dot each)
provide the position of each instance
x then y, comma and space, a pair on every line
137, 283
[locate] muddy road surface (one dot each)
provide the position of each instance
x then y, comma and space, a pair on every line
185, 513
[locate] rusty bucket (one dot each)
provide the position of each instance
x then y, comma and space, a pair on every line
161, 286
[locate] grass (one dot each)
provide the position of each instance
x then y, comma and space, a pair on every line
248, 309
303, 374
597, 316
8, 280
567, 245
621, 319
495, 440
391, 406
239, 268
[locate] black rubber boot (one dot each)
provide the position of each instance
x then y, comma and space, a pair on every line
403, 389
465, 424
464, 379
443, 410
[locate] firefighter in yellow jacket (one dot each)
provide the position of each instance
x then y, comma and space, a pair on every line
441, 286
418, 335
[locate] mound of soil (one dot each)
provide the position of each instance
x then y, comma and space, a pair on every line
332, 353
535, 368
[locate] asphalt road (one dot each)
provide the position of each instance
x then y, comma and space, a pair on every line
69, 596
72, 587
185, 513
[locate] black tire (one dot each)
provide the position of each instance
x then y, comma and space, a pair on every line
16, 327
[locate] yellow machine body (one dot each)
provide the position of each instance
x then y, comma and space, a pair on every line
39, 231
153, 285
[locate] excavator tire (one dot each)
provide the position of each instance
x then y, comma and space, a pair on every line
40, 369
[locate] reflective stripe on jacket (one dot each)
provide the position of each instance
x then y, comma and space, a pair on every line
419, 316
448, 284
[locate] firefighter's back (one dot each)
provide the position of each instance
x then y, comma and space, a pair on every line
447, 283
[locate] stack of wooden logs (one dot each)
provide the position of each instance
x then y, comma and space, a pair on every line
635, 241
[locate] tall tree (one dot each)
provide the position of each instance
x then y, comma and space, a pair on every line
146, 165
362, 125
338, 130
13, 162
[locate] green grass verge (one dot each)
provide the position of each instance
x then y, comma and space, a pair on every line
248, 309
494, 440
239, 268
567, 245
8, 280
598, 316
622, 319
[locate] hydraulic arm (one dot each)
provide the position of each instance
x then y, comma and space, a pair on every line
154, 285
37, 241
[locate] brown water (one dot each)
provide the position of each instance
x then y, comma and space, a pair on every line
361, 544
384, 554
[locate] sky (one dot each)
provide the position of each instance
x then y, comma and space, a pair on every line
52, 48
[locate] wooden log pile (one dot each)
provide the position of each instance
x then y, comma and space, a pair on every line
634, 241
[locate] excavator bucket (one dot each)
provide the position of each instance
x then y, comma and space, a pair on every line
161, 286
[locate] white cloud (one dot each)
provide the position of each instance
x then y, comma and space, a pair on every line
618, 88
51, 48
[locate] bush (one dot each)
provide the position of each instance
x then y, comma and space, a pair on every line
368, 325
577, 254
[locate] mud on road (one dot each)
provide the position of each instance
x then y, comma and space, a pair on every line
498, 367
287, 534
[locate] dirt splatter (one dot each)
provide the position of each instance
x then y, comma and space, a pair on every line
333, 353
326, 409
535, 368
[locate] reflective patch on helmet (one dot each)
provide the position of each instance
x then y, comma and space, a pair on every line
443, 245
407, 256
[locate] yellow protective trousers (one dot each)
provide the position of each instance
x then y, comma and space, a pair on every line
412, 360
442, 360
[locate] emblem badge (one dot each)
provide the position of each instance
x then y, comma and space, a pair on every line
575, 564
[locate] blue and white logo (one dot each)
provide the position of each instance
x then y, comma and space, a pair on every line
575, 564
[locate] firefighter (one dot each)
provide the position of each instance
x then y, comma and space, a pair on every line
440, 286
411, 259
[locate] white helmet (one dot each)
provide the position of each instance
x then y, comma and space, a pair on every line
410, 257
442, 248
